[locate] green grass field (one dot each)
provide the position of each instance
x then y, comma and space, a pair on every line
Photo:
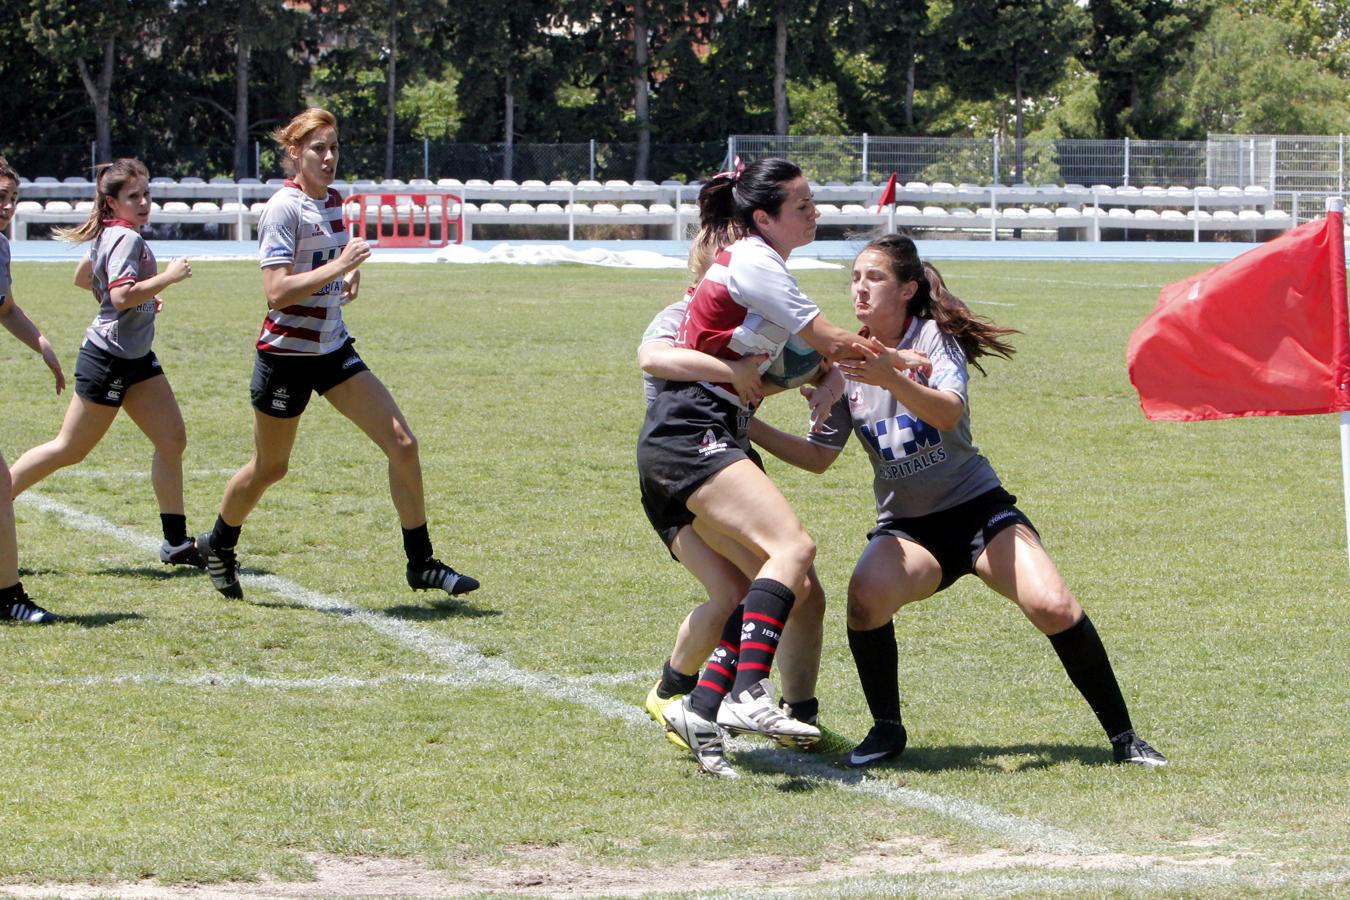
336, 726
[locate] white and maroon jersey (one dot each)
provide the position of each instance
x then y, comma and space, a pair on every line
120, 256
916, 469
663, 328
746, 304
298, 231
6, 283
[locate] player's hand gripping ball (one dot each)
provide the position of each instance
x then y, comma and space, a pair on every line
795, 366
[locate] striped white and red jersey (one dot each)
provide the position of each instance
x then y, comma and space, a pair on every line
298, 231
747, 303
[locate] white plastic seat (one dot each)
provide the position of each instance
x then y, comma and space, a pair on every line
633, 209
935, 212
520, 209
505, 183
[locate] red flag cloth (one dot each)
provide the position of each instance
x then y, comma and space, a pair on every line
1264, 334
888, 195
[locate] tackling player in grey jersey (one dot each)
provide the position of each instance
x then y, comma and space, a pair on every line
941, 512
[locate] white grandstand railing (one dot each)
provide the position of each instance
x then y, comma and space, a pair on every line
1070, 210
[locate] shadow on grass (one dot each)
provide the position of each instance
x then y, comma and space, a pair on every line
97, 620
805, 770
160, 572
436, 610
996, 758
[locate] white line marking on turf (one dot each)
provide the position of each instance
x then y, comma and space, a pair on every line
463, 658
86, 472
227, 679
460, 657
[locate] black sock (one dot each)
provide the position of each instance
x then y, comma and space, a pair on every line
12, 594
1084, 657
674, 682
223, 536
417, 544
767, 607
878, 662
807, 710
174, 527
719, 673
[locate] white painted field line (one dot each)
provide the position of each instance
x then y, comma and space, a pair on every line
458, 656
325, 682
473, 666
90, 472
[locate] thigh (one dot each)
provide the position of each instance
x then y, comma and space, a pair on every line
365, 400
743, 558
1016, 565
273, 439
720, 577
891, 572
742, 503
86, 422
151, 404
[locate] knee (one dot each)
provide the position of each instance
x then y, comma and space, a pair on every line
1053, 609
802, 550
173, 444
68, 454
402, 448
270, 472
811, 606
870, 604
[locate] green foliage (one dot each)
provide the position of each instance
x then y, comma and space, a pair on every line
1136, 47
432, 104
815, 108
1247, 80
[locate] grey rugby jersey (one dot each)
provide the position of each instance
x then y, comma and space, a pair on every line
662, 328
917, 469
5, 283
121, 256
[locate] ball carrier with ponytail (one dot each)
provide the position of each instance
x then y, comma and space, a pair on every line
116, 369
691, 465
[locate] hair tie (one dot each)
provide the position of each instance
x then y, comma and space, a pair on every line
734, 175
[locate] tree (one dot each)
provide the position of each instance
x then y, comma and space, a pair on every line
94, 36
261, 35
1246, 79
1136, 47
1024, 46
505, 54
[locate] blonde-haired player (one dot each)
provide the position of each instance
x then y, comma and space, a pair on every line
311, 270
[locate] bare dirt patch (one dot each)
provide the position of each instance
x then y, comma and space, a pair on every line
557, 872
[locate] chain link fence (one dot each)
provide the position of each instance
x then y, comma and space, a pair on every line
1281, 163
1299, 169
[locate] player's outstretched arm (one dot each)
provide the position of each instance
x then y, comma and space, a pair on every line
17, 323
791, 449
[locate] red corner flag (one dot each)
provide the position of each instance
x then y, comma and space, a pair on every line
1264, 334
888, 195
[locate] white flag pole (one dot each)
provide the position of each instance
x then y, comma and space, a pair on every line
1337, 205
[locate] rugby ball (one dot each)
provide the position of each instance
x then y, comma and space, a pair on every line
795, 366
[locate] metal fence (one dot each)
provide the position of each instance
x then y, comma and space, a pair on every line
1282, 163
1288, 165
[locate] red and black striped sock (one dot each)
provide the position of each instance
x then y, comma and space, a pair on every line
767, 606
719, 673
